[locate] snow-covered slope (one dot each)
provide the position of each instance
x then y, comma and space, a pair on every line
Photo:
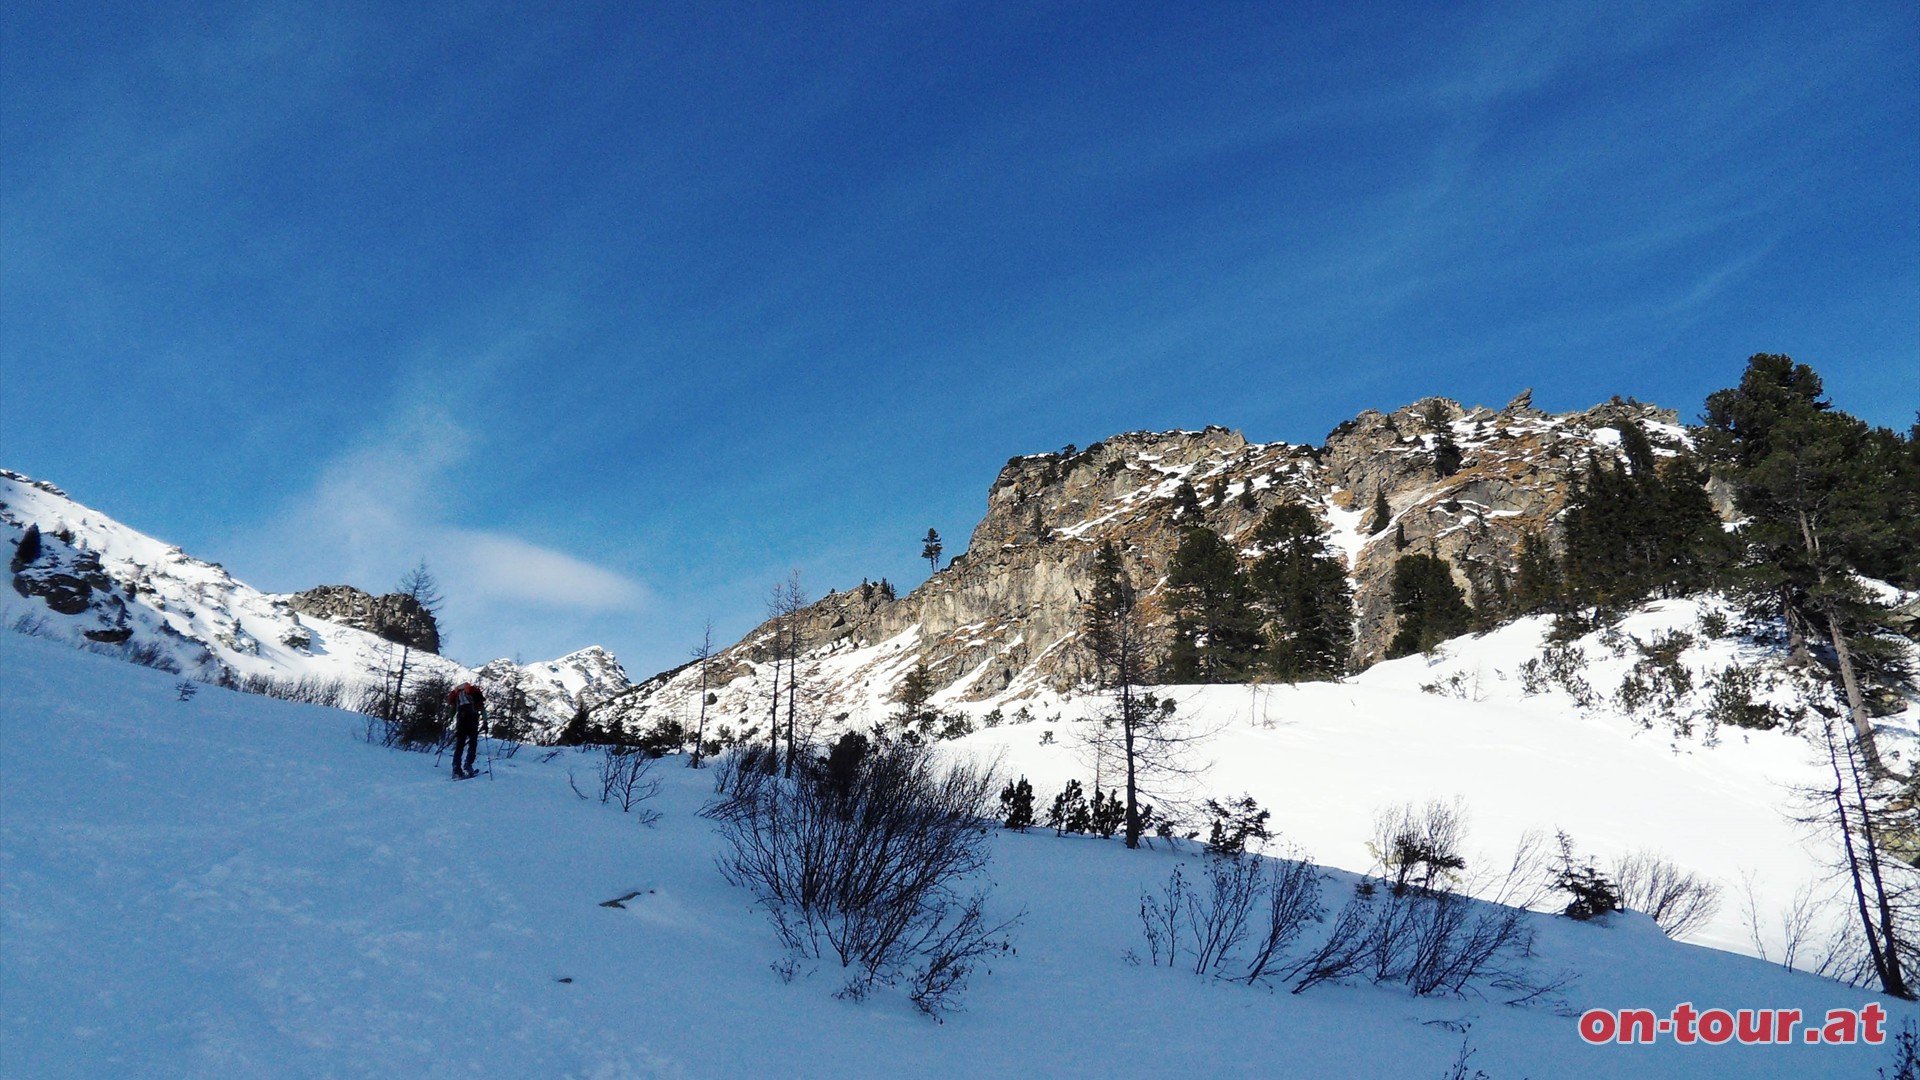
234, 886
1526, 734
115, 590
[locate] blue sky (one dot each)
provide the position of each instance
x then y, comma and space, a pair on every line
615, 313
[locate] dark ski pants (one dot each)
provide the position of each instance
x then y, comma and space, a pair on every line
466, 733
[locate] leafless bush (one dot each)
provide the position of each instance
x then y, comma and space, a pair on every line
934, 984
149, 654
1293, 901
1843, 954
1461, 1063
1209, 924
1457, 943
740, 781
1419, 848
1395, 923
624, 779
31, 624
1218, 919
1679, 901
1797, 920
1444, 943
1437, 942
866, 864
1342, 953
1162, 916
1527, 880
310, 689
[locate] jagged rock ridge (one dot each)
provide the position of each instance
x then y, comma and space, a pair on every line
1002, 619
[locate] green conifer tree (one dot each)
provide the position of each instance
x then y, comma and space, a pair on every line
1300, 587
1824, 497
1431, 608
1382, 513
1215, 631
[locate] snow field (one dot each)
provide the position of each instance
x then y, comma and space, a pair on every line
235, 886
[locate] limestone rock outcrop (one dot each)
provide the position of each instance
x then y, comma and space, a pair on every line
1466, 484
396, 616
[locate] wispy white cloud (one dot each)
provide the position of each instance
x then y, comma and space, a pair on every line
508, 568
395, 497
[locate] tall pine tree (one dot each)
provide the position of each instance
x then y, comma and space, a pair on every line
1824, 497
1430, 606
1215, 631
1300, 586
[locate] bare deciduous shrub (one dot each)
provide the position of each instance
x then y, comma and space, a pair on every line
868, 865
1458, 1069
624, 779
1679, 901
1411, 926
1245, 898
1438, 943
1458, 942
1797, 920
1218, 918
1293, 902
1527, 880
146, 654
1161, 916
311, 689
1342, 952
1419, 849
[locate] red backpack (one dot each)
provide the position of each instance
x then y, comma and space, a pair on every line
466, 696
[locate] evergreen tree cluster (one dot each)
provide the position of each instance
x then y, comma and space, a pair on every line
1824, 497
1070, 811
1016, 804
1429, 606
1288, 613
1636, 529
1633, 529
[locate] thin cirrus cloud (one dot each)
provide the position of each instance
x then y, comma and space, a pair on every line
376, 509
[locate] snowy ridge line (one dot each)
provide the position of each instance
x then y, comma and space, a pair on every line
102, 585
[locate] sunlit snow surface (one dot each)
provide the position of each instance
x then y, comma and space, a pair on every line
235, 886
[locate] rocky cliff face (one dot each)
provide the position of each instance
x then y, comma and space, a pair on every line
396, 617
1003, 619
1514, 473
